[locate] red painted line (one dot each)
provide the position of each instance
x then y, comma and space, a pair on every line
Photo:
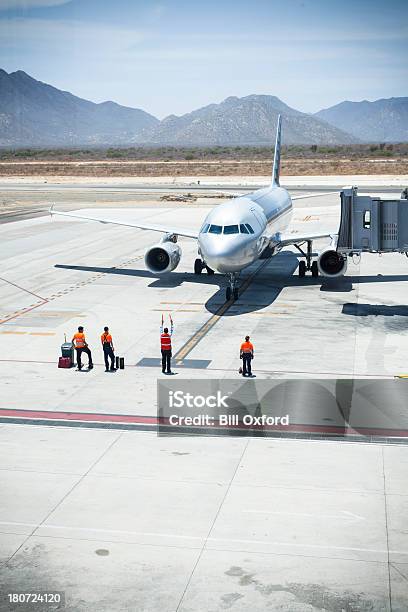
22, 289
77, 416
94, 417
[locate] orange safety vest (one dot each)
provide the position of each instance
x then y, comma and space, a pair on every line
247, 347
106, 338
165, 342
79, 340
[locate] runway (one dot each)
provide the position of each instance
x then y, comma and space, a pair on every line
27, 201
308, 517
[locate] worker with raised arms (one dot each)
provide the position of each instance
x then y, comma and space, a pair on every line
165, 345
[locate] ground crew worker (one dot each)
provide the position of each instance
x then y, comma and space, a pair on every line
246, 353
81, 346
165, 345
108, 350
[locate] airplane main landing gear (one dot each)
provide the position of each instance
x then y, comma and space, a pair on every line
308, 265
232, 291
199, 266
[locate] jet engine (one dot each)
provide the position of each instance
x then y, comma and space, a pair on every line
163, 257
331, 263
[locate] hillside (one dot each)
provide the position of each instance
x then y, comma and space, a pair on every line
33, 113
380, 121
244, 121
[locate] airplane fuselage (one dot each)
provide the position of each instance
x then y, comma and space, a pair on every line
237, 232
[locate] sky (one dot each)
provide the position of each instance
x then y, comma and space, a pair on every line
173, 56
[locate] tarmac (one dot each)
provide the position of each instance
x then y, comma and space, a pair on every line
95, 504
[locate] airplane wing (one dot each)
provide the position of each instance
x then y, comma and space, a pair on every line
288, 239
312, 195
143, 226
235, 194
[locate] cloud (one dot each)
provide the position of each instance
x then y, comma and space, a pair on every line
148, 65
28, 35
29, 4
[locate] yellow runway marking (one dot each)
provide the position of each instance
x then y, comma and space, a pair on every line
22, 333
163, 309
187, 303
311, 218
178, 310
188, 310
42, 333
199, 335
269, 313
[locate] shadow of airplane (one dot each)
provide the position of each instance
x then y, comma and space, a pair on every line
268, 282
366, 310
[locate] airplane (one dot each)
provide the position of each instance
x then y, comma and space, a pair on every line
238, 232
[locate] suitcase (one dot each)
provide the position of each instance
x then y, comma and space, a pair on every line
120, 363
67, 350
64, 362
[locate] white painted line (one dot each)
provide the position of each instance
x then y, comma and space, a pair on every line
344, 515
201, 538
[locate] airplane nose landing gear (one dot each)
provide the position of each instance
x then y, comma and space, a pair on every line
199, 266
232, 291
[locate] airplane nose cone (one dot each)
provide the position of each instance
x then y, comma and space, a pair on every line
220, 254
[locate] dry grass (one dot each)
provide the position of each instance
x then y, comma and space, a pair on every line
291, 167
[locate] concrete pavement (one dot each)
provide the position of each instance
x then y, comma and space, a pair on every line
130, 521
126, 520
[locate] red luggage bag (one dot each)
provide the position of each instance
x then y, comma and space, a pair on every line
64, 362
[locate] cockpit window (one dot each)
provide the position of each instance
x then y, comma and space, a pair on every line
215, 229
205, 227
251, 231
243, 229
231, 229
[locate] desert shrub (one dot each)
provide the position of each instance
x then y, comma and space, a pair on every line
114, 153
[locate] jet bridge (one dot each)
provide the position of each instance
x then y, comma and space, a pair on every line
372, 224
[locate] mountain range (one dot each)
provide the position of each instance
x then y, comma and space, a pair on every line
380, 121
245, 121
35, 114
